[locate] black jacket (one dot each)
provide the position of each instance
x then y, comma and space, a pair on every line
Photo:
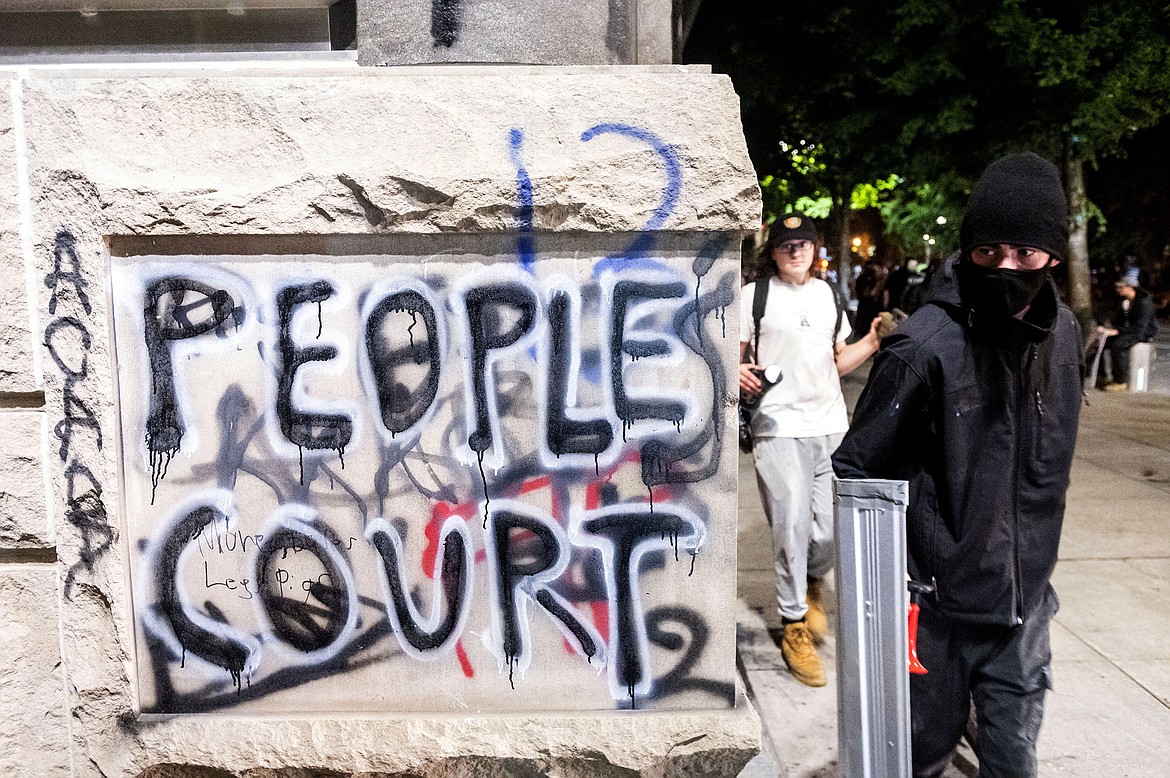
980, 416
1137, 325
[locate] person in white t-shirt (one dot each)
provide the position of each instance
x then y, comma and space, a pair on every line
798, 424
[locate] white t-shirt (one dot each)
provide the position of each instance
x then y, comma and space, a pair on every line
796, 334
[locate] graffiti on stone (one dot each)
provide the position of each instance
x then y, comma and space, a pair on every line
443, 482
69, 342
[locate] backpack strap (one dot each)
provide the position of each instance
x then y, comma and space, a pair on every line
759, 302
840, 304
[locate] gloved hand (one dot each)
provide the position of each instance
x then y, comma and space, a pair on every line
885, 324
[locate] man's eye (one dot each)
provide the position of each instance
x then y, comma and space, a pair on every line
1025, 253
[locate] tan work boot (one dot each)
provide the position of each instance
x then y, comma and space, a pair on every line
816, 618
801, 655
1117, 387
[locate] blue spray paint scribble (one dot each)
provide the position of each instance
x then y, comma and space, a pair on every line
644, 241
525, 247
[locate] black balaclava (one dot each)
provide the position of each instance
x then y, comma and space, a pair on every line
999, 291
1018, 200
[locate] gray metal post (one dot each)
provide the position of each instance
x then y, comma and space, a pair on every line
873, 685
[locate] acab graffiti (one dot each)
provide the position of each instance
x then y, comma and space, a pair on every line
68, 342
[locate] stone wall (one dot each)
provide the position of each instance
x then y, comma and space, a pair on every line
584, 32
159, 219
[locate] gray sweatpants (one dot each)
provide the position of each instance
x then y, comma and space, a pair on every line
795, 476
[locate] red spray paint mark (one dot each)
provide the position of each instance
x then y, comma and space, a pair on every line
600, 611
464, 662
440, 513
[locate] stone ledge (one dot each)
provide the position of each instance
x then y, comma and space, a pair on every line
206, 156
679, 743
321, 69
433, 154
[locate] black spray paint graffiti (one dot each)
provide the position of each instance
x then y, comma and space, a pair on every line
525, 346
68, 342
305, 626
567, 435
170, 304
313, 626
629, 409
528, 551
542, 558
486, 334
447, 23
67, 269
452, 574
446, 19
204, 637
624, 537
399, 406
312, 431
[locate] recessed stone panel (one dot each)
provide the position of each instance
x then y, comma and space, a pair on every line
459, 481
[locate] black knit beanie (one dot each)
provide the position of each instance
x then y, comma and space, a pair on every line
1018, 200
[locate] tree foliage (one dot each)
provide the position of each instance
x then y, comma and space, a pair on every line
931, 91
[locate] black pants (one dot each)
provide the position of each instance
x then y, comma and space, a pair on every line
1119, 358
1004, 671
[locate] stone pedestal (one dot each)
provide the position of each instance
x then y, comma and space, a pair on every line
387, 420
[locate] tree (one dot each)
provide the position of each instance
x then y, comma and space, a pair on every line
915, 212
934, 90
805, 93
1068, 79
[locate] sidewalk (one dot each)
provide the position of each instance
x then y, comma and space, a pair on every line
1109, 714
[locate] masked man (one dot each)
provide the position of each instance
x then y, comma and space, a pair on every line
974, 402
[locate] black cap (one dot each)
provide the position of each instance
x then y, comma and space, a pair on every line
1018, 200
792, 226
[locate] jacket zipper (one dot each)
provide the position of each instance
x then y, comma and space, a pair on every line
1021, 429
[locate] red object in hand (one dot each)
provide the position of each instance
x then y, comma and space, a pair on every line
915, 666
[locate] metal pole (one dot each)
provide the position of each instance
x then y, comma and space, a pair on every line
873, 685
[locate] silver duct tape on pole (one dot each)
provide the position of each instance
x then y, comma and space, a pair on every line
873, 685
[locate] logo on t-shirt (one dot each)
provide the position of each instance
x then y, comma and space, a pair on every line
804, 322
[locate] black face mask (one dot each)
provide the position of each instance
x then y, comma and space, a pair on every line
999, 291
